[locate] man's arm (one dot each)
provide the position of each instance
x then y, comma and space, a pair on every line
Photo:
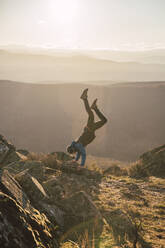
77, 156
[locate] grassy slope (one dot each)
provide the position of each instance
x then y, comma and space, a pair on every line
141, 201
127, 205
132, 209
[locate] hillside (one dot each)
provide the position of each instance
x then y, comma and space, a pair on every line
44, 118
48, 201
154, 56
74, 67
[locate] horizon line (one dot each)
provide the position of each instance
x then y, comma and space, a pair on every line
13, 46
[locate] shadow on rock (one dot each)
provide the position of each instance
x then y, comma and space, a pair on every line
63, 191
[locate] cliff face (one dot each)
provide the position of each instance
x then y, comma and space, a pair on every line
47, 200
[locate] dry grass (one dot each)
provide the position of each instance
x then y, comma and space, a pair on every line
116, 170
36, 156
49, 160
125, 188
107, 166
137, 170
104, 162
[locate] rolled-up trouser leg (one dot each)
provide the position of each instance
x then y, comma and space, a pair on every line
82, 152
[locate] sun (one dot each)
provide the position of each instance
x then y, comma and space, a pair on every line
64, 11
59, 20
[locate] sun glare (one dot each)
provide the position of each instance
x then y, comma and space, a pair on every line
64, 11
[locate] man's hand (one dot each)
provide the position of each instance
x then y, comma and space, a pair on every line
73, 160
11, 147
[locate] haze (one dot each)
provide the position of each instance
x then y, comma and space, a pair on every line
114, 47
83, 24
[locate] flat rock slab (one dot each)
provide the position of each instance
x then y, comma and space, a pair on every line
81, 205
12, 157
11, 187
32, 187
55, 214
35, 168
72, 167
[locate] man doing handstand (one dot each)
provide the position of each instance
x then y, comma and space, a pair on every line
88, 134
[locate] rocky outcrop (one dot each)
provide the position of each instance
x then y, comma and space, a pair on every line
50, 200
59, 191
154, 162
81, 215
10, 157
31, 185
151, 163
21, 225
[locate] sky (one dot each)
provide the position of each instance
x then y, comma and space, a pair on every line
83, 24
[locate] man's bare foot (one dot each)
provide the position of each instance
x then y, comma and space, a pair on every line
84, 94
93, 106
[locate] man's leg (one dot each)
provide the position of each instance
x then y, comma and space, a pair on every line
82, 152
84, 97
102, 118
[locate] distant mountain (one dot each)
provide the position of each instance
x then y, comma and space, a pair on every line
155, 56
73, 67
47, 118
153, 59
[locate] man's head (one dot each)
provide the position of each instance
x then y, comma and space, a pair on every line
71, 149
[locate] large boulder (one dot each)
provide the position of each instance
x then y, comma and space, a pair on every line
11, 187
81, 215
32, 187
54, 213
35, 168
40, 199
18, 228
74, 168
12, 156
54, 188
21, 225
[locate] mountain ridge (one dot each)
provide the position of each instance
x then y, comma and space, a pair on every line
134, 113
77, 67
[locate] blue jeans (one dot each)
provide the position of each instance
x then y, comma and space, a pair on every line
80, 152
